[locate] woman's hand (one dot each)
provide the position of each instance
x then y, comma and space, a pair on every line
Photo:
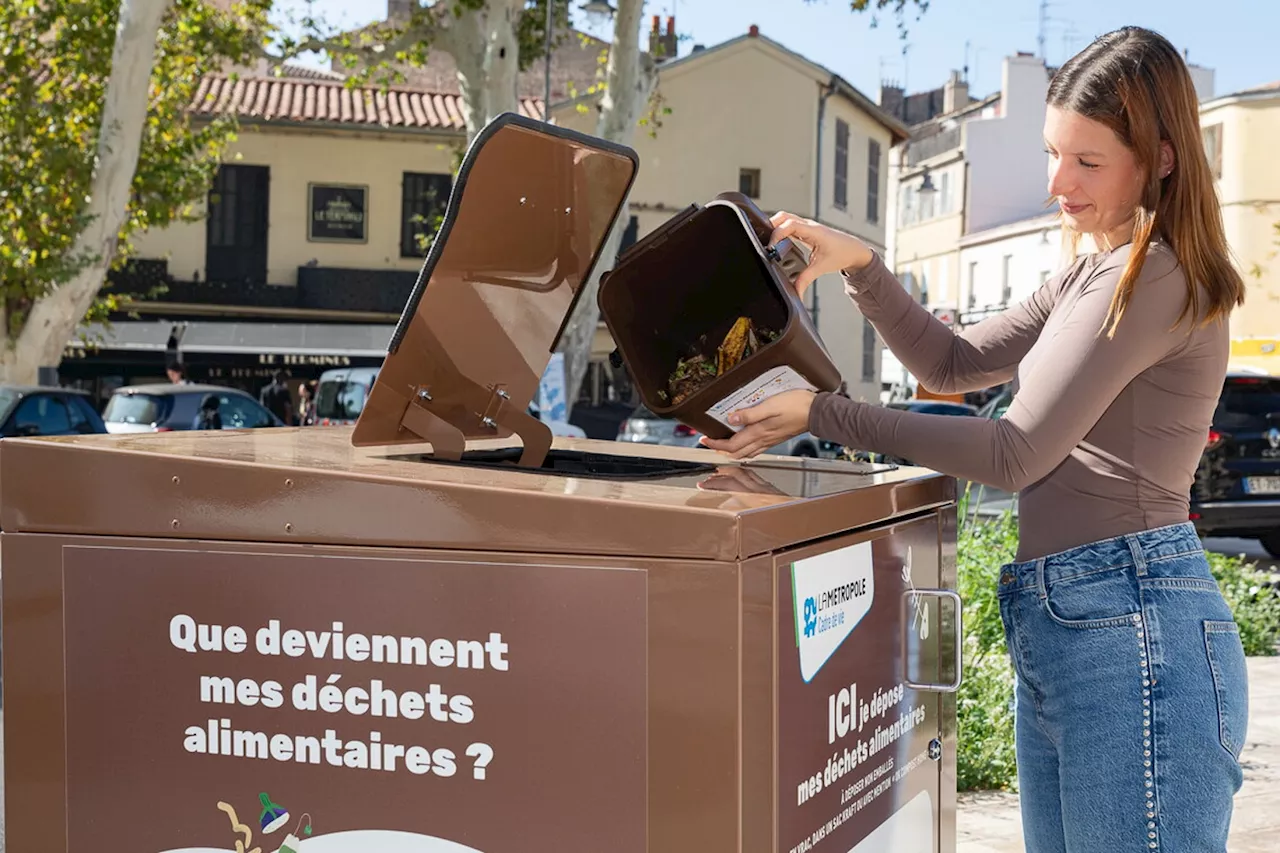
766, 425
829, 250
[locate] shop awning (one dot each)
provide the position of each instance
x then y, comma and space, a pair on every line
1255, 355
309, 339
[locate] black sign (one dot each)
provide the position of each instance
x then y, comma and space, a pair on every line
338, 213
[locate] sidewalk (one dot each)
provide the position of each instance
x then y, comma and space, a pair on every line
990, 823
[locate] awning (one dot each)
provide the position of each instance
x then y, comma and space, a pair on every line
1255, 355
309, 339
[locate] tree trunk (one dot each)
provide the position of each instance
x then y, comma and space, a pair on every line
483, 43
631, 76
54, 317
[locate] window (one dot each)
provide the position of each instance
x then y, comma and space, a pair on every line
842, 165
41, 414
241, 413
973, 285
1213, 147
927, 205
423, 198
749, 182
868, 351
237, 224
944, 197
1006, 287
873, 181
1044, 276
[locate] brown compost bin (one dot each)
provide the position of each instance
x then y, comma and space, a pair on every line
442, 632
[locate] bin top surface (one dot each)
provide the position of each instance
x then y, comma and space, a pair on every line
312, 485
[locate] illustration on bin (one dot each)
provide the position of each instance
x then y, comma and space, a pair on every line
707, 319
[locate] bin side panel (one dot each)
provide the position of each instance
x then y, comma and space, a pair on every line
543, 666
854, 765
694, 690
35, 753
759, 674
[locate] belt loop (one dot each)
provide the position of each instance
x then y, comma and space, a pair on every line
1041, 589
1139, 558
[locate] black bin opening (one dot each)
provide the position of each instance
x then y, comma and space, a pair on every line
696, 283
571, 463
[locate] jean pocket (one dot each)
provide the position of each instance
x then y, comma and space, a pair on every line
1102, 599
1230, 683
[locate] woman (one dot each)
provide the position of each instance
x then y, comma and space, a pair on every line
1132, 695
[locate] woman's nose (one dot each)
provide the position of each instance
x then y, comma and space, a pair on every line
1060, 180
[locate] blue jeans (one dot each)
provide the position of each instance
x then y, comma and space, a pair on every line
1132, 696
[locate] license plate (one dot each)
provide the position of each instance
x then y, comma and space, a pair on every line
1262, 485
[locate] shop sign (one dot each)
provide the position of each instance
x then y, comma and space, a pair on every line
338, 213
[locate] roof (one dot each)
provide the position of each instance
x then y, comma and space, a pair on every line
1266, 91
41, 389
896, 128
291, 99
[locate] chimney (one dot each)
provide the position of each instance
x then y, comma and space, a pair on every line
399, 11
663, 46
893, 100
955, 94
754, 31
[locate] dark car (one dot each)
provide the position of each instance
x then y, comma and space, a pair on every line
1237, 487
166, 407
30, 410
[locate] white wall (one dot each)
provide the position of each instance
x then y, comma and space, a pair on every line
1008, 166
1033, 257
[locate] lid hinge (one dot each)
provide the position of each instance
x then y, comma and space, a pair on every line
445, 420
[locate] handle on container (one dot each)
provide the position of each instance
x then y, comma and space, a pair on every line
915, 594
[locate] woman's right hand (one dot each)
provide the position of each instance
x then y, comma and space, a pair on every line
829, 250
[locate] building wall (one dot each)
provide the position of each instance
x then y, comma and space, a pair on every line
297, 157
1007, 164
1034, 256
1250, 192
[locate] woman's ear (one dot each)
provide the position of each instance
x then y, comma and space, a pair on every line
1166, 159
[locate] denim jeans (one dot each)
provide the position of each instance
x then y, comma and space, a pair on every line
1131, 699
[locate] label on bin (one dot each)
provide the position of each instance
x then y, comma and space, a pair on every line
776, 381
832, 592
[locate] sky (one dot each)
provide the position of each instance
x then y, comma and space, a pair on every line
1235, 38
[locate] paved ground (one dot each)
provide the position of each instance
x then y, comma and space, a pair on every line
990, 823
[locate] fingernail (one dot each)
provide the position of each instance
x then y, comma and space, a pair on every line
735, 419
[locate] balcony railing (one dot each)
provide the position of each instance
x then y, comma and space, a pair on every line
931, 146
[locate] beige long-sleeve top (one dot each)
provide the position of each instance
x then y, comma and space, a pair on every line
1103, 435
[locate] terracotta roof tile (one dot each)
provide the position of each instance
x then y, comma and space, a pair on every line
322, 99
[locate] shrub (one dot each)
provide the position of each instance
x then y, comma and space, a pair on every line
985, 699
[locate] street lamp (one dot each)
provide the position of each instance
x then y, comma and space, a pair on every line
598, 11
926, 184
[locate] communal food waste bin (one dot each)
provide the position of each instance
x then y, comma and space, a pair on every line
440, 631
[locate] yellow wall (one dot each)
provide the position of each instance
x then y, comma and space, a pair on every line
1250, 193
297, 157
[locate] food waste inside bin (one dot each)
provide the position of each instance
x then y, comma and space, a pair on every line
440, 631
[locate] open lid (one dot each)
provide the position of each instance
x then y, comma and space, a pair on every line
526, 222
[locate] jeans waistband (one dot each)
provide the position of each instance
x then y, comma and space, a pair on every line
1149, 551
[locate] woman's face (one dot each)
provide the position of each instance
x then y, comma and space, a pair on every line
1093, 175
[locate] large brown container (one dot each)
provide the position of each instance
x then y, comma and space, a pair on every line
275, 640
684, 286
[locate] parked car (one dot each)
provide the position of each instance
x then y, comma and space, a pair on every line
1236, 491
166, 407
927, 407
644, 427
341, 394
31, 410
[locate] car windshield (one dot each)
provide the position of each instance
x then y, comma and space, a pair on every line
133, 409
1248, 404
340, 399
8, 397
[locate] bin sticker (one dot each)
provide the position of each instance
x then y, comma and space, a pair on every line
832, 593
769, 384
296, 702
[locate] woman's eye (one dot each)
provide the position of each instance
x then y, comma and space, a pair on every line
1088, 165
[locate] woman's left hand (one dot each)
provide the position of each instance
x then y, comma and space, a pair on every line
766, 425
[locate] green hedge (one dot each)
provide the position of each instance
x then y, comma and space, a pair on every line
985, 710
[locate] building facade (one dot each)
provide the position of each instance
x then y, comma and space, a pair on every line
312, 235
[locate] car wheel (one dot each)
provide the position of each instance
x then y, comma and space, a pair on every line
1271, 542
806, 450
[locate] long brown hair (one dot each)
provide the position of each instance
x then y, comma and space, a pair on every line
1134, 81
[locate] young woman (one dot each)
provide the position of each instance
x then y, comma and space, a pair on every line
1132, 696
